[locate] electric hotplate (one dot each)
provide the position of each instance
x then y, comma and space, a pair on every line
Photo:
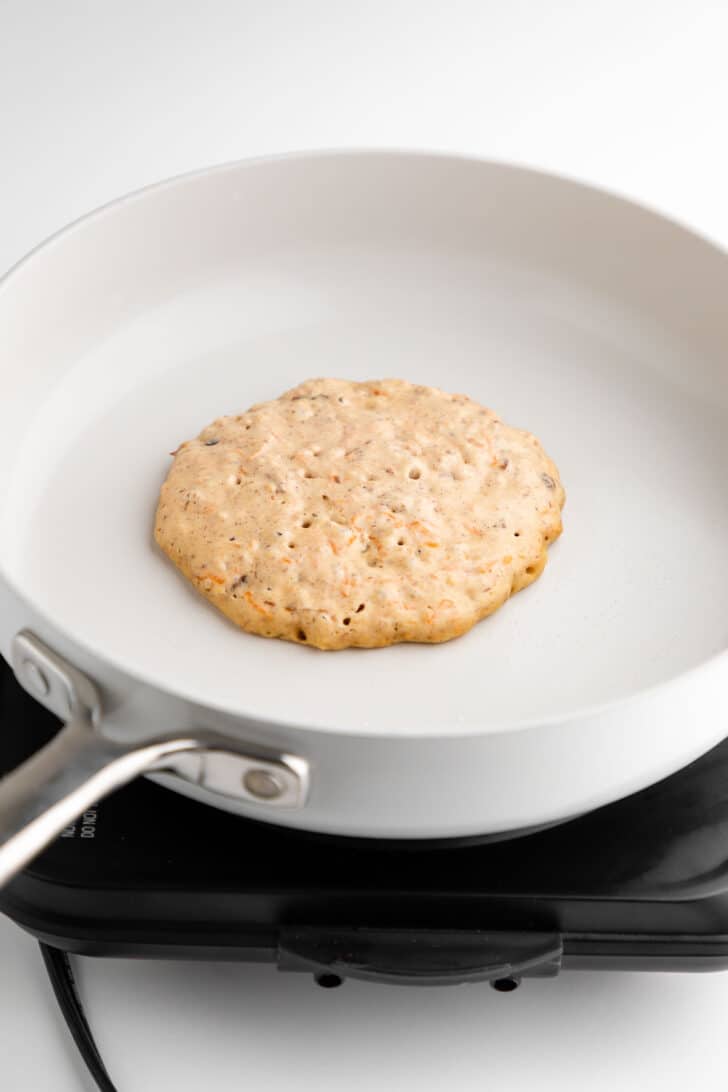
639, 884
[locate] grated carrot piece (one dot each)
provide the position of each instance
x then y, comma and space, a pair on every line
419, 526
254, 604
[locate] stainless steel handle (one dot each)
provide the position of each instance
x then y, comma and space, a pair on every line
49, 791
80, 765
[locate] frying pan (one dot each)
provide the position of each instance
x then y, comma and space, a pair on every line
594, 323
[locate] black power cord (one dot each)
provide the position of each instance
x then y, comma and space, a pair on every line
60, 973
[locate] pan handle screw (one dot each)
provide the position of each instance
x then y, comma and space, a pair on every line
35, 678
264, 784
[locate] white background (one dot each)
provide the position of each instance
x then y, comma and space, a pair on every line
98, 98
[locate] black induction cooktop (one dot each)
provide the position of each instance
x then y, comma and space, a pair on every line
640, 884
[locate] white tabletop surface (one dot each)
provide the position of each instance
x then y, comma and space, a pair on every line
99, 98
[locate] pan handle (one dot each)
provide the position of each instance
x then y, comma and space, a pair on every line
58, 783
80, 765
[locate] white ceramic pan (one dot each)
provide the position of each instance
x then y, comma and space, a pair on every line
596, 324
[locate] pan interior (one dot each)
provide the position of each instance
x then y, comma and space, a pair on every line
635, 592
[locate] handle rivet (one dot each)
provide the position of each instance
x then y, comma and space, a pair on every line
35, 678
265, 784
